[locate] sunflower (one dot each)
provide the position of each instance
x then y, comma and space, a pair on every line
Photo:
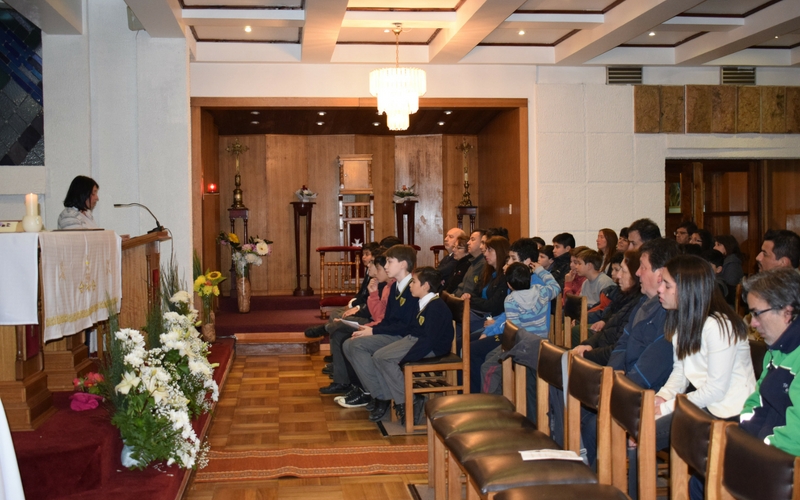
214, 275
233, 238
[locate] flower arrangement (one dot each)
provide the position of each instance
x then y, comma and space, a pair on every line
90, 383
405, 193
305, 194
247, 254
88, 390
157, 392
206, 286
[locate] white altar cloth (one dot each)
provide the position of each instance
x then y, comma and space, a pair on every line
81, 270
19, 268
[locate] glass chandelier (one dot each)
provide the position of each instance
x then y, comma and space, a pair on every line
398, 89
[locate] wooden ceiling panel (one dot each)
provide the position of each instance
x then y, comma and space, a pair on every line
723, 8
577, 6
510, 36
258, 34
379, 36
404, 4
238, 4
660, 39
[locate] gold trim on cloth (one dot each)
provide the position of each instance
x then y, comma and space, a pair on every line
75, 316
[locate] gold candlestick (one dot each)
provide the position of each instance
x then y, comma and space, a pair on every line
465, 148
236, 149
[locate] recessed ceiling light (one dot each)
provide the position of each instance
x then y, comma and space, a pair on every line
255, 112
321, 113
776, 36
652, 33
255, 122
387, 30
375, 124
248, 29
521, 32
448, 112
441, 123
320, 123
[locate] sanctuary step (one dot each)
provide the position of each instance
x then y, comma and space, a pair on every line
260, 344
272, 314
272, 303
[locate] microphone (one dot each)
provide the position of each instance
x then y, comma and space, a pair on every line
156, 229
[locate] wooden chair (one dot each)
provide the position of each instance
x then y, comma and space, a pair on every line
491, 459
557, 325
339, 280
439, 374
739, 305
631, 413
758, 349
576, 308
696, 443
437, 250
753, 470
513, 373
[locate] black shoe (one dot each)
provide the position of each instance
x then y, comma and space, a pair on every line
328, 369
371, 405
354, 399
419, 409
381, 407
335, 388
315, 331
400, 411
328, 359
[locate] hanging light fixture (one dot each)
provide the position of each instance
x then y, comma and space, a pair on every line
398, 89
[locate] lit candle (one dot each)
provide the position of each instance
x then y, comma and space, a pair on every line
31, 204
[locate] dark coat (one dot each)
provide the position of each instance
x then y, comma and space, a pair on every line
433, 326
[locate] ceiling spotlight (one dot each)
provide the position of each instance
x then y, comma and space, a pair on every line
375, 124
248, 29
387, 30
441, 123
320, 123
255, 122
776, 36
321, 113
652, 33
255, 112
448, 112
521, 32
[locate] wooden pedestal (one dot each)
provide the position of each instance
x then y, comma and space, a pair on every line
65, 360
23, 384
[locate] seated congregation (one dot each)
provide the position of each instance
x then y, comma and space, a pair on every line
665, 341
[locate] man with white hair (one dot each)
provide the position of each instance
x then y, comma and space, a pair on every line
448, 264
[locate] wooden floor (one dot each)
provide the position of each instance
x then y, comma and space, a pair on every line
273, 402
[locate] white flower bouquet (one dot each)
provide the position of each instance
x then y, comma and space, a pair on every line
305, 194
245, 255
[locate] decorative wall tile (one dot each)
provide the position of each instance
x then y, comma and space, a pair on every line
698, 109
723, 109
646, 109
793, 110
672, 109
773, 110
748, 110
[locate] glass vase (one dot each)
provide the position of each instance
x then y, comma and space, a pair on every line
243, 293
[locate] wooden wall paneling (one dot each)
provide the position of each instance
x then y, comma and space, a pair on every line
453, 177
499, 176
418, 162
252, 168
783, 184
672, 109
646, 109
773, 110
209, 158
698, 109
197, 181
524, 182
793, 110
286, 172
383, 179
748, 110
723, 109
323, 179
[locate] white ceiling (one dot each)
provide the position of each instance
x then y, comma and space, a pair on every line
562, 32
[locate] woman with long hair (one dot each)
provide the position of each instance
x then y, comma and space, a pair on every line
78, 205
732, 272
710, 345
607, 245
492, 284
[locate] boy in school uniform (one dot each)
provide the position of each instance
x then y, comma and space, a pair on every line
430, 334
400, 312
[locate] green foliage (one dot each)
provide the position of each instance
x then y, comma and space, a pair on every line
111, 366
197, 266
170, 285
155, 323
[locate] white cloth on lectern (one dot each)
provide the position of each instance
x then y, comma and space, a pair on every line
10, 481
81, 270
19, 267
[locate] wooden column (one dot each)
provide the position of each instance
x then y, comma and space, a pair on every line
405, 209
302, 209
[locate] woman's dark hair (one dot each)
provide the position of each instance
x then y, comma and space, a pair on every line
501, 247
518, 276
79, 192
430, 276
698, 298
729, 242
706, 239
611, 246
623, 233
631, 259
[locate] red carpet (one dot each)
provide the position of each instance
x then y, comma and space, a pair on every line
76, 455
323, 462
268, 314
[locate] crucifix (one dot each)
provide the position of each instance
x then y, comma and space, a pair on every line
236, 149
465, 148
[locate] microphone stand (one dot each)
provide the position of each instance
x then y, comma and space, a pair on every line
156, 229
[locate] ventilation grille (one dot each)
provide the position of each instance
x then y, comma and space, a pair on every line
624, 75
738, 75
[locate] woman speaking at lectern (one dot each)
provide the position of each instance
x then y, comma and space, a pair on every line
79, 203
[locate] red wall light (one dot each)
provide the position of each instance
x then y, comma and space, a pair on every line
212, 188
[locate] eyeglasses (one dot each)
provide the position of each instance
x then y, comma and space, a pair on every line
757, 314
681, 233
